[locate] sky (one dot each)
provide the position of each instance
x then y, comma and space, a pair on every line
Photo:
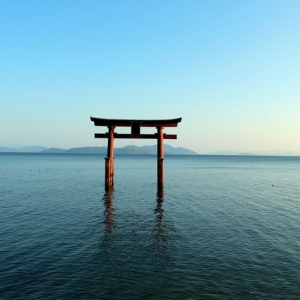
230, 69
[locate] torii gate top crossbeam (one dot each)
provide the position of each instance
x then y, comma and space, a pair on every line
141, 123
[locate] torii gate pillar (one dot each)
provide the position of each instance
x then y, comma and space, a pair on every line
160, 157
109, 159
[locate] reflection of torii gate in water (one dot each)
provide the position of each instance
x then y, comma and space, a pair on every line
135, 134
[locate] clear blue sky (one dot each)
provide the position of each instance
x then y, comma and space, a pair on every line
230, 69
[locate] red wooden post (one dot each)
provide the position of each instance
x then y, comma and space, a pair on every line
160, 157
109, 160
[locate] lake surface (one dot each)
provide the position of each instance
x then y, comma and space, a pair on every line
224, 227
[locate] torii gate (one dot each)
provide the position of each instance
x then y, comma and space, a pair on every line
135, 134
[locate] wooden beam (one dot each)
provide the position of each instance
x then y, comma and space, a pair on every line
141, 123
140, 136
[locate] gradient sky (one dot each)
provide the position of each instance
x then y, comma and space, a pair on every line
230, 69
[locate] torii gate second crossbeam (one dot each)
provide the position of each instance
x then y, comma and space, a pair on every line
135, 134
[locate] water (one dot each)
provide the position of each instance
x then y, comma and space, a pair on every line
224, 227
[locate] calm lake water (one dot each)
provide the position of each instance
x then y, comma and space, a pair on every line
224, 227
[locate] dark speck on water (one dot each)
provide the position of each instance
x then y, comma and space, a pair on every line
64, 237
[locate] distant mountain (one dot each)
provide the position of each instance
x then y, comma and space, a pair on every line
131, 149
89, 150
260, 153
30, 149
8, 149
53, 150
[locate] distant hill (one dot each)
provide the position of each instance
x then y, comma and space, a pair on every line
131, 149
260, 153
30, 149
53, 150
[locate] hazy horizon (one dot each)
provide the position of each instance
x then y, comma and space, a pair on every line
217, 152
230, 69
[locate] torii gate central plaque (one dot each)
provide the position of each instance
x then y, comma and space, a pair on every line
135, 125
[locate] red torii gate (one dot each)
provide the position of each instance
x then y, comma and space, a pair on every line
135, 134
